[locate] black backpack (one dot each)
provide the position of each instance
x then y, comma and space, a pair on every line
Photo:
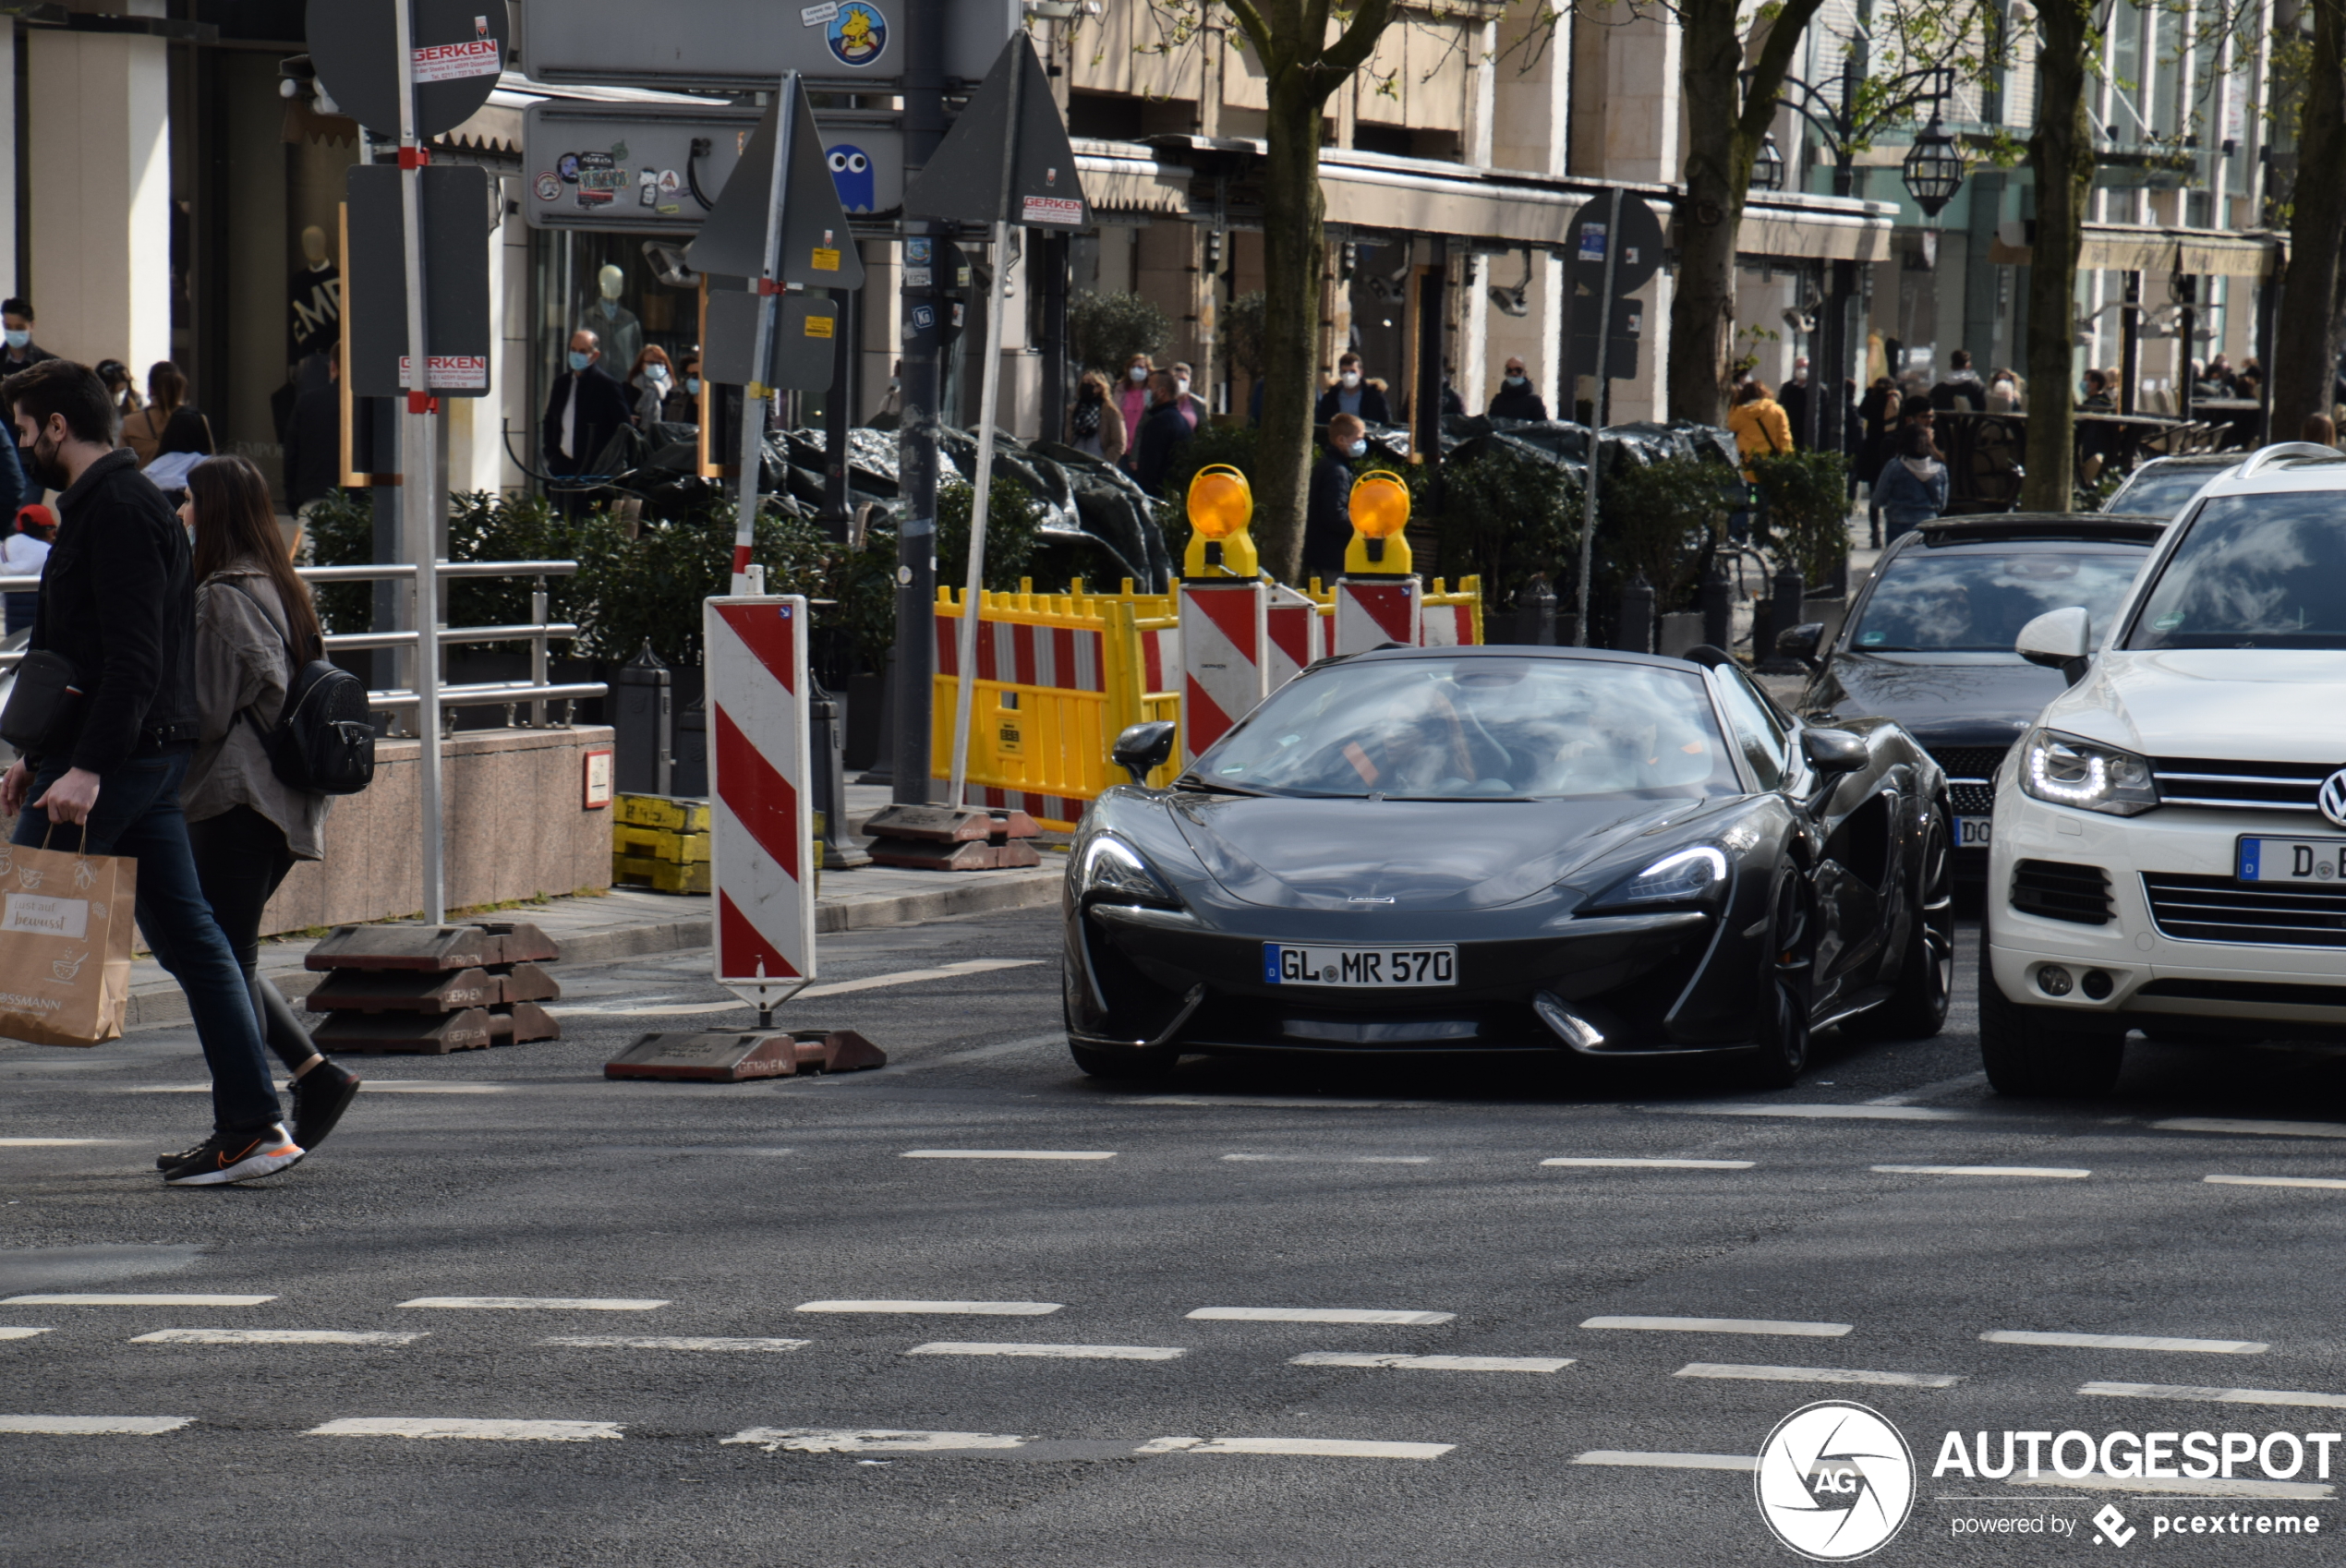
322, 740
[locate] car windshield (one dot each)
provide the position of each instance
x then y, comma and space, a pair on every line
2253, 571
1485, 726
1975, 600
2160, 490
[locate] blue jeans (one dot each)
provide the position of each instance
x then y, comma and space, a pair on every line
137, 814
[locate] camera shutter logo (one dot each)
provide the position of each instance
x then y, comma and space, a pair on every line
2333, 797
1835, 1481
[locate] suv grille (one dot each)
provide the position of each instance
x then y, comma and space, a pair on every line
2262, 786
1971, 774
2215, 909
2058, 891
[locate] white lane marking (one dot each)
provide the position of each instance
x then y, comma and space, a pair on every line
1816, 1375
1668, 1460
2127, 1342
691, 1149
59, 1142
970, 1309
543, 1303
93, 1426
1051, 1352
1926, 1092
1008, 1154
2099, 1482
1243, 1101
111, 1298
2217, 1396
2056, 1172
2267, 1130
668, 1342
1855, 1113
868, 1439
372, 1086
1436, 1363
23, 1333
841, 987
1317, 1315
1722, 1325
1332, 1158
272, 1336
451, 1427
1628, 1164
2330, 1182
1320, 1448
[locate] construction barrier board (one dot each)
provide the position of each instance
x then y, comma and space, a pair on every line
1296, 638
761, 806
1372, 611
1225, 634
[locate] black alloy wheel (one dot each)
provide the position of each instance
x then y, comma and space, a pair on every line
1917, 1009
1787, 981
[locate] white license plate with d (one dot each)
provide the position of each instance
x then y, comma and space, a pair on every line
1360, 968
2291, 860
1971, 832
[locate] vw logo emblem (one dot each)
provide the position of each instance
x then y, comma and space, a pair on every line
2333, 797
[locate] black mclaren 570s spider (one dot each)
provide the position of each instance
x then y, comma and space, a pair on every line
1512, 848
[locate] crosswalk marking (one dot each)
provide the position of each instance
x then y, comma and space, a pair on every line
1816, 1375
868, 1439
22, 1333
1721, 1325
668, 1341
1055, 1352
1322, 1448
1318, 1314
543, 1303
2217, 1396
451, 1427
2047, 1171
2266, 1129
1237, 1101
272, 1336
2127, 1342
114, 1298
1668, 1460
2331, 1183
1595, 1164
1827, 1112
1435, 1363
56, 1142
93, 1426
946, 1309
1332, 1158
1008, 1154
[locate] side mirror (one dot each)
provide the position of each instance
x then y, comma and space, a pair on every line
1143, 748
2059, 639
1834, 751
1801, 642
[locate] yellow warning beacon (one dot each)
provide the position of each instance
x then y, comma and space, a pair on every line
1221, 504
1380, 511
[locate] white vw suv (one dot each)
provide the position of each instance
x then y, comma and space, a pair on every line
2170, 839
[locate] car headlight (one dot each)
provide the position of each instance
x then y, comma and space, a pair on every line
1113, 869
2066, 771
1683, 877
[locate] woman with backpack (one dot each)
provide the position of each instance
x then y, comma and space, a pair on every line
255, 630
169, 423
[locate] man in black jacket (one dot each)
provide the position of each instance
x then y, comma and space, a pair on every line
1164, 431
1514, 398
587, 409
118, 603
1327, 508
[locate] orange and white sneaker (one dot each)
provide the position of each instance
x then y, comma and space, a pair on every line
234, 1156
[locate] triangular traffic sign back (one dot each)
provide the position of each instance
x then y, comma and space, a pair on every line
968, 177
818, 251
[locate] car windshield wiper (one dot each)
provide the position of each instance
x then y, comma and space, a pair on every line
1887, 647
1214, 786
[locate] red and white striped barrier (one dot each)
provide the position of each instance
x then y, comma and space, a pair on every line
761, 808
1372, 611
1446, 625
1223, 637
1295, 637
1020, 655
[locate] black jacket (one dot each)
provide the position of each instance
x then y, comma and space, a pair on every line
603, 406
1372, 408
1961, 391
1328, 518
313, 439
118, 600
1518, 404
1162, 432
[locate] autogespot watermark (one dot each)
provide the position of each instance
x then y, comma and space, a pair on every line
1835, 1480
2125, 1455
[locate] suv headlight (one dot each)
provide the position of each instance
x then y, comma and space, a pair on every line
1683, 877
2067, 771
1114, 870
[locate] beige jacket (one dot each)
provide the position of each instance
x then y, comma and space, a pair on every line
242, 663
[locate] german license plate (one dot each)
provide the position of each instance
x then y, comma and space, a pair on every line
1370, 967
1971, 832
2293, 859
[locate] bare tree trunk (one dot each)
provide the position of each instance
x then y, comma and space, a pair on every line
2305, 363
1703, 308
1294, 259
2061, 155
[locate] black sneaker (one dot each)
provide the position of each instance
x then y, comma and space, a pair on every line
235, 1156
165, 1162
319, 1097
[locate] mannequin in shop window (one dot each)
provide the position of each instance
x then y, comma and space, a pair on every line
614, 326
315, 294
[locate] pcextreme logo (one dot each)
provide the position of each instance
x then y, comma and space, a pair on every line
1835, 1481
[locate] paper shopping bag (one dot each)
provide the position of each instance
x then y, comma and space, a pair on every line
65, 945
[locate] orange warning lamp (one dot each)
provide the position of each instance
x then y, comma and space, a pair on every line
1221, 504
1380, 511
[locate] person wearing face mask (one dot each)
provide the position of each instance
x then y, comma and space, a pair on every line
1093, 426
1351, 394
1162, 435
1514, 398
649, 380
587, 409
1192, 406
1133, 403
682, 406
1327, 507
16, 321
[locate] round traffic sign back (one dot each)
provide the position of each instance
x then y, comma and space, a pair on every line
459, 46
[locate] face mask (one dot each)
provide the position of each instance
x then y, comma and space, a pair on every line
1358, 449
1516, 380
657, 373
1139, 372
580, 361
1181, 385
40, 461
18, 339
1350, 377
692, 385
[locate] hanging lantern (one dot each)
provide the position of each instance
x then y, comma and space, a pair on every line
1767, 166
1934, 168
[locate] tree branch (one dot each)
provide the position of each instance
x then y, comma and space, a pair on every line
1359, 41
1759, 110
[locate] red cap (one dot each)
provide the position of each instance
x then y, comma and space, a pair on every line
33, 514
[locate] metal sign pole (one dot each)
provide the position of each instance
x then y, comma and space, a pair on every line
1596, 414
965, 683
420, 489
767, 287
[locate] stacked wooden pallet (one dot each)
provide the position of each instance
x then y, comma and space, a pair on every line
430, 989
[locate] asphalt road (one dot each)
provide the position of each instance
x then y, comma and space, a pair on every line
687, 1228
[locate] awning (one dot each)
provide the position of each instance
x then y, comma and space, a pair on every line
2124, 248
1121, 176
1369, 195
1841, 230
